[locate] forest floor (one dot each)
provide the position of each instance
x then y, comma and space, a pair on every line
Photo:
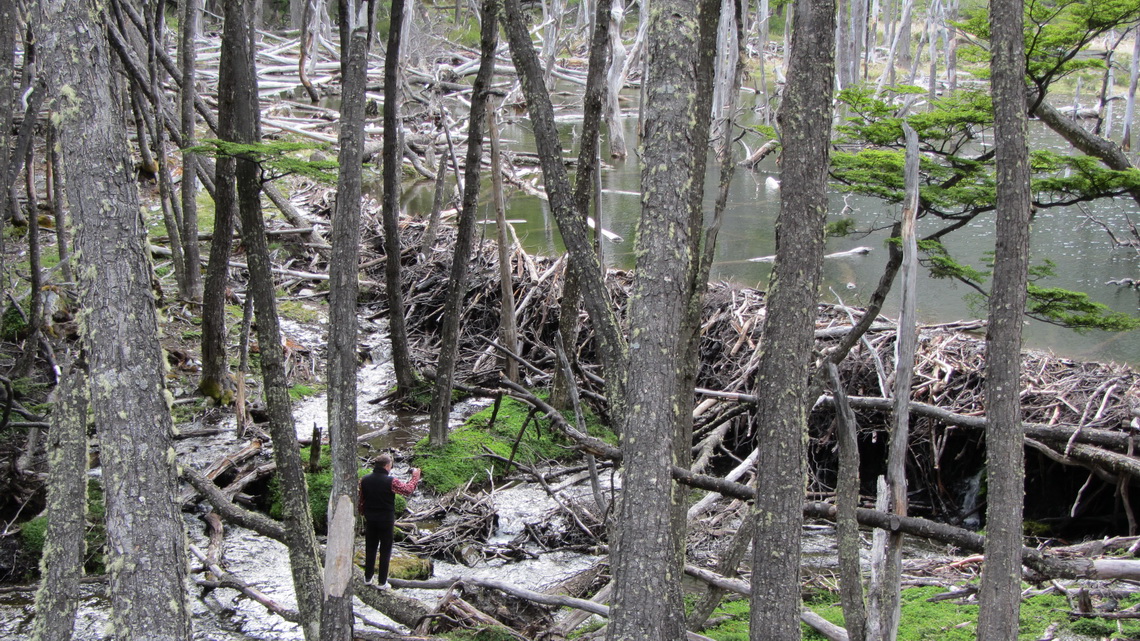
463, 528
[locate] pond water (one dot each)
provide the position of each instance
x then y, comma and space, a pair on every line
1084, 256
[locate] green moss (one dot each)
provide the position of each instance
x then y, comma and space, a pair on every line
445, 468
298, 311
12, 323
298, 392
490, 633
922, 619
33, 533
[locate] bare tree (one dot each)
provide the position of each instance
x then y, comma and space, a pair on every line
145, 535
787, 334
187, 53
650, 529
356, 36
406, 376
457, 282
507, 326
216, 381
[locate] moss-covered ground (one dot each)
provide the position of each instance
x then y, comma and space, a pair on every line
464, 456
922, 619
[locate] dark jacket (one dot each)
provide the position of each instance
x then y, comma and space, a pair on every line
377, 500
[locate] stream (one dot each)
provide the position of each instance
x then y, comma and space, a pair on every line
225, 615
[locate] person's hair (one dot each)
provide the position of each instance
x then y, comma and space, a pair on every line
382, 461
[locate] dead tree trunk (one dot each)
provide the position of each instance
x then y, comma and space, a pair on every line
457, 283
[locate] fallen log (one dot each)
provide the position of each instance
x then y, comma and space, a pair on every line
226, 580
1054, 433
523, 593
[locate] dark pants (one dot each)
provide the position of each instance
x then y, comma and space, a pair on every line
378, 532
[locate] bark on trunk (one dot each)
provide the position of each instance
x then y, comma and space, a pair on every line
781, 382
649, 550
846, 525
336, 609
298, 522
568, 210
7, 72
401, 351
457, 283
61, 566
885, 603
146, 542
1005, 456
216, 381
187, 53
507, 326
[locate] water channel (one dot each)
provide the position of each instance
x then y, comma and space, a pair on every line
1084, 256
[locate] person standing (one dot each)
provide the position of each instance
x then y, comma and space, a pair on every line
378, 492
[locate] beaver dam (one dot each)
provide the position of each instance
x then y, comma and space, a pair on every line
1079, 417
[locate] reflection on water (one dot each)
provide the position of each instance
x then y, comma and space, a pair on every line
1083, 253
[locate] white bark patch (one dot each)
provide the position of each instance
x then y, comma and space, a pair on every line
338, 555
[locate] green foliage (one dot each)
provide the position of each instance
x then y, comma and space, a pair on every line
453, 465
298, 311
34, 534
1056, 32
277, 159
957, 188
466, 34
840, 228
1076, 310
921, 618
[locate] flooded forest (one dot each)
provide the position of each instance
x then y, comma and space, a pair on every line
701, 320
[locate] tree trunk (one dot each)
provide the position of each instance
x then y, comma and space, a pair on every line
843, 29
950, 37
999, 595
58, 203
649, 550
897, 41
552, 17
457, 283
57, 600
615, 82
1130, 105
7, 77
508, 329
788, 332
401, 351
191, 288
569, 209
145, 537
885, 603
25, 363
589, 163
336, 612
216, 381
846, 501
857, 42
301, 540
